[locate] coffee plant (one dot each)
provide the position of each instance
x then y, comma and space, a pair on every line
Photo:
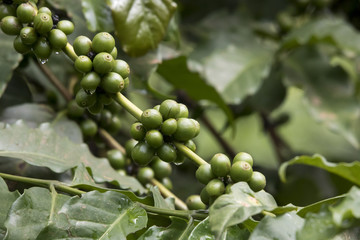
182, 119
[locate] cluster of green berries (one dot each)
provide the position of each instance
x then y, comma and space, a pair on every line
159, 128
103, 74
36, 30
220, 174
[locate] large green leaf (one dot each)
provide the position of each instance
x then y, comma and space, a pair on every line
349, 171
236, 207
202, 231
97, 15
177, 72
7, 199
43, 147
329, 30
178, 229
9, 60
95, 215
32, 212
315, 207
283, 227
159, 200
141, 24
67, 128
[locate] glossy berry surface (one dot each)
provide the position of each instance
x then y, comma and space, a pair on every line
241, 171
115, 124
129, 145
96, 108
167, 183
74, 110
191, 145
215, 188
243, 156
142, 154
103, 42
137, 131
257, 181
204, 174
183, 111
88, 128
66, 26
151, 119
121, 67
28, 35
10, 25
26, 12
167, 152
45, 10
169, 109
114, 53
204, 196
116, 158
7, 10
57, 39
82, 45
154, 138
42, 49
220, 165
103, 63
186, 129
43, 23
145, 175
20, 47
85, 100
90, 81
112, 82
83, 64
194, 202
161, 169
169, 126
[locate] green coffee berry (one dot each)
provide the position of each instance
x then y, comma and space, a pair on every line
204, 196
157, 107
88, 127
90, 81
103, 42
154, 138
197, 127
26, 12
161, 169
114, 53
145, 175
169, 109
186, 129
129, 145
103, 63
204, 174
215, 188
84, 65
43, 23
57, 39
137, 131
167, 152
257, 181
121, 67
241, 171
151, 119
112, 82
7, 10
66, 26
169, 126
116, 158
183, 111
45, 10
74, 110
85, 100
167, 183
180, 158
28, 36
96, 108
115, 124
243, 156
10, 25
82, 45
20, 47
142, 154
42, 49
194, 202
105, 99
220, 165
105, 118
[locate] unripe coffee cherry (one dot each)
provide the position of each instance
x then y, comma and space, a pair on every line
90, 82
161, 169
204, 196
105, 99
45, 10
197, 127
157, 107
28, 35
57, 39
167, 183
191, 145
42, 49
85, 100
121, 67
26, 12
105, 117
186, 129
7, 10
103, 42
257, 181
10, 25
88, 127
74, 110
43, 23
154, 138
169, 109
112, 82
83, 64
194, 202
20, 47
96, 108
169, 126
137, 131
115, 124
129, 145
220, 165
151, 119
167, 152
66, 26
82, 45
215, 188
243, 156
183, 111
116, 158
114, 53
241, 171
204, 174
103, 63
142, 154
145, 175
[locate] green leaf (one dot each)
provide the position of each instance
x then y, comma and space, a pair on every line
97, 15
159, 201
330, 30
315, 207
95, 215
282, 227
349, 171
178, 229
139, 24
43, 147
32, 212
82, 176
176, 72
7, 199
202, 231
67, 128
348, 209
236, 207
9, 60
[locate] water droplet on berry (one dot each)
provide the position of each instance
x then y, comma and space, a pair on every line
43, 61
